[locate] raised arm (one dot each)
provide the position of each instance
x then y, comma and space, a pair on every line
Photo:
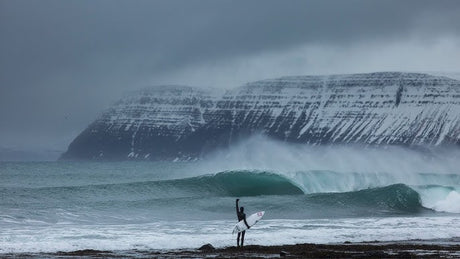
237, 200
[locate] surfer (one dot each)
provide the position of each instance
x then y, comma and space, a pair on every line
241, 216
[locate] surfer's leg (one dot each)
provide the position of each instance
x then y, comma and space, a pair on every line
238, 239
242, 237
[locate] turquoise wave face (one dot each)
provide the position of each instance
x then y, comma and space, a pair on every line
246, 183
237, 183
140, 192
213, 196
396, 197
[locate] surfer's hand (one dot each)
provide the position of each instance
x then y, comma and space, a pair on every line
237, 199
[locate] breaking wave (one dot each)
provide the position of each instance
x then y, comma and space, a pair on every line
397, 197
317, 190
232, 183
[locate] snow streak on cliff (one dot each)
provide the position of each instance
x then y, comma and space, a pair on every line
179, 122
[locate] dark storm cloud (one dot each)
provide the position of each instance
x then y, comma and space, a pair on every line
42, 37
61, 62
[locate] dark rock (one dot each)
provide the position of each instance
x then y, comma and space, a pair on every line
406, 254
85, 252
377, 254
207, 247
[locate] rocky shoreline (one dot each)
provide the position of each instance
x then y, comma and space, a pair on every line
345, 250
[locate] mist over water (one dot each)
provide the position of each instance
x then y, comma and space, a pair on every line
262, 153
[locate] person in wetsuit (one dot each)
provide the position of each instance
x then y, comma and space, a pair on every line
241, 216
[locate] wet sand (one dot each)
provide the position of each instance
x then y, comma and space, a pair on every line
409, 249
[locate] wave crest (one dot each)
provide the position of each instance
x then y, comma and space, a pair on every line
242, 183
396, 197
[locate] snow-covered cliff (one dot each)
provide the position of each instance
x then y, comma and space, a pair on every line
179, 122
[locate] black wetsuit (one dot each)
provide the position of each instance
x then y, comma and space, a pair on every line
241, 216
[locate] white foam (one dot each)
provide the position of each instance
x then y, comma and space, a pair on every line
450, 204
193, 234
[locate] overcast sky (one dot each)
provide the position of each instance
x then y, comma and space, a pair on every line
63, 62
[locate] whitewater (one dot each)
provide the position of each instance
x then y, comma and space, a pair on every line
311, 194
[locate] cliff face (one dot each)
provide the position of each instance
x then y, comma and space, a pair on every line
173, 122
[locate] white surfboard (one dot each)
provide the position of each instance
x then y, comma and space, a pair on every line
251, 220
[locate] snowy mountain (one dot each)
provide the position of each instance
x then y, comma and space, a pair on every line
179, 122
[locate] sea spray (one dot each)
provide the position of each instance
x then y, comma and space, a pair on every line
261, 153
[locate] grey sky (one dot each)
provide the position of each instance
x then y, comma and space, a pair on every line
63, 62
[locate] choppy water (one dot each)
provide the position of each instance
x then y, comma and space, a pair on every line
64, 206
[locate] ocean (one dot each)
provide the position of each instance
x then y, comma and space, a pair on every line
309, 195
